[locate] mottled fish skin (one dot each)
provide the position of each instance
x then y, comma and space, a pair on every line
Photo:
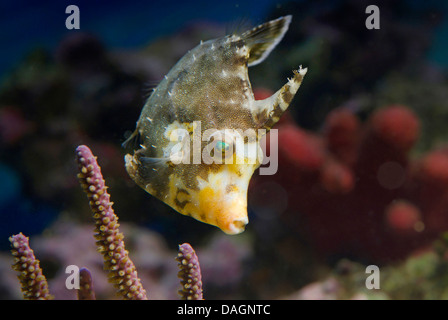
209, 84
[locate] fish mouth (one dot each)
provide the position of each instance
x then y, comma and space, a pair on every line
234, 225
222, 199
229, 215
237, 226
231, 218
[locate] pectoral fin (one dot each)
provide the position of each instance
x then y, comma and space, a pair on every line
148, 172
132, 139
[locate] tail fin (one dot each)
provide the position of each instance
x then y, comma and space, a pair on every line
263, 38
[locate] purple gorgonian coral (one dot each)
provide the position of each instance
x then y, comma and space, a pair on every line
34, 284
85, 291
190, 273
122, 272
110, 242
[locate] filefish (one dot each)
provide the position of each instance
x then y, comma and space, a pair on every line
203, 102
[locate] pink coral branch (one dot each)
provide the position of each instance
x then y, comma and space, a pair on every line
85, 291
34, 284
190, 273
122, 272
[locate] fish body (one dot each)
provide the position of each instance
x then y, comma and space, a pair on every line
188, 130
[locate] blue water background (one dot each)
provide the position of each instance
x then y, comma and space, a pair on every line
27, 24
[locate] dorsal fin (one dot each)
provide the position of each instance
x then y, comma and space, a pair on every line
263, 38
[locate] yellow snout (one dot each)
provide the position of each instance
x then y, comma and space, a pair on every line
224, 208
221, 199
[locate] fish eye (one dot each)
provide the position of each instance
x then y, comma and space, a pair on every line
222, 149
222, 145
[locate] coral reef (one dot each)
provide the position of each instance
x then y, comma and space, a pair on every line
356, 189
421, 276
122, 271
346, 186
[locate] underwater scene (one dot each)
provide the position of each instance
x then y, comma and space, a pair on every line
232, 150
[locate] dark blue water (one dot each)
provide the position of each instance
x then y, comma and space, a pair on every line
27, 24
